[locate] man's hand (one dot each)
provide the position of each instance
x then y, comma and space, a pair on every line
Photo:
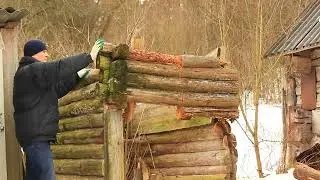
98, 45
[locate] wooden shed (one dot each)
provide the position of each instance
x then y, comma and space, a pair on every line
302, 45
146, 115
10, 154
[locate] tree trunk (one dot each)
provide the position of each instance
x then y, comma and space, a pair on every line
81, 107
303, 171
218, 74
197, 170
83, 136
137, 80
88, 151
210, 158
85, 167
81, 122
183, 99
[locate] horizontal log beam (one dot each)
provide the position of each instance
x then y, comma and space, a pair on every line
138, 80
95, 75
183, 135
302, 171
83, 136
88, 151
183, 99
202, 61
218, 74
81, 122
222, 114
70, 177
81, 107
87, 92
85, 167
198, 177
198, 170
210, 158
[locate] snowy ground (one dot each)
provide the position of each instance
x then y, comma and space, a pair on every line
270, 136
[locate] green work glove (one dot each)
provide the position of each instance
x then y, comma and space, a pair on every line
98, 45
83, 73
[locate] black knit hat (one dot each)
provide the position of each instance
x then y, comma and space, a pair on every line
33, 47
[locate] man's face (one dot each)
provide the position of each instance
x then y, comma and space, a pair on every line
41, 56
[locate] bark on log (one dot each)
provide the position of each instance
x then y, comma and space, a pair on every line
218, 74
120, 51
183, 99
193, 177
81, 122
86, 167
220, 114
187, 147
201, 61
95, 75
199, 170
83, 136
137, 80
88, 151
87, 92
210, 158
184, 135
70, 177
303, 171
81, 107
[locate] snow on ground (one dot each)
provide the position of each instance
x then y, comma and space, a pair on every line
287, 176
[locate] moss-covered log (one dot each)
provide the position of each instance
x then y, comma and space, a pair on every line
86, 167
138, 80
183, 135
198, 170
117, 82
192, 177
88, 151
87, 92
187, 147
81, 107
95, 75
81, 122
83, 136
210, 158
70, 177
183, 99
103, 62
218, 74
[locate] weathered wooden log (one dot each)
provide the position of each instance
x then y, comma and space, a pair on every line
81, 122
210, 158
183, 99
81, 107
70, 177
120, 51
87, 92
218, 74
230, 114
86, 167
191, 177
183, 135
198, 170
201, 61
302, 171
103, 62
137, 80
88, 151
187, 147
95, 75
83, 136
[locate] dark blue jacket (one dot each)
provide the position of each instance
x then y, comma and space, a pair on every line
37, 88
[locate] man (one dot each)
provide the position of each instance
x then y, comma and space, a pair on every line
38, 85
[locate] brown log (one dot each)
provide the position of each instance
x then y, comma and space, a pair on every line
88, 151
87, 92
210, 158
86, 167
201, 61
137, 80
218, 74
81, 122
81, 107
70, 177
183, 135
95, 75
193, 177
303, 171
120, 51
187, 147
198, 170
221, 114
83, 136
183, 99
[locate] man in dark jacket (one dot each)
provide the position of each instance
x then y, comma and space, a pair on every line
38, 85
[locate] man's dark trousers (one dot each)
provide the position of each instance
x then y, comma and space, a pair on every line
39, 164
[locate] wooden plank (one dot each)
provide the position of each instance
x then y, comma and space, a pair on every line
88, 151
309, 90
70, 177
198, 170
115, 145
14, 155
81, 122
82, 136
86, 167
